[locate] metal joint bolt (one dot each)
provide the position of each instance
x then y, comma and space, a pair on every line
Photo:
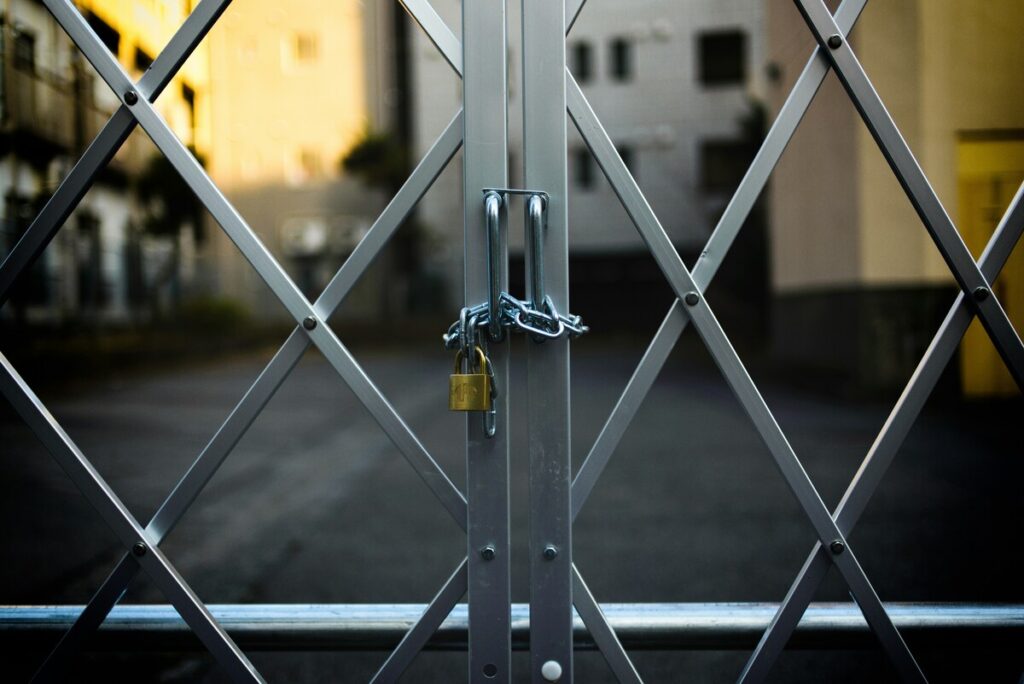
487, 553
835, 41
551, 671
981, 294
131, 98
309, 322
550, 552
691, 299
837, 547
139, 549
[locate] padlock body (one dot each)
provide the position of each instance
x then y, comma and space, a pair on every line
469, 392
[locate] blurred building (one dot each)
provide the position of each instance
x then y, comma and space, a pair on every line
294, 88
860, 286
677, 86
105, 263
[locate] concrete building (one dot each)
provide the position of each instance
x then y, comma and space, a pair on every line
675, 84
860, 286
294, 88
104, 263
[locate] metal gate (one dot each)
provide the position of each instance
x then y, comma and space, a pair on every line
557, 587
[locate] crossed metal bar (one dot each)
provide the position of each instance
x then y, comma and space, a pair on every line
137, 108
690, 288
973, 277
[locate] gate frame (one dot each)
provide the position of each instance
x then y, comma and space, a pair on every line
553, 505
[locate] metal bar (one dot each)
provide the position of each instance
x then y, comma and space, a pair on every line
420, 634
713, 255
572, 12
736, 376
886, 445
604, 635
493, 203
485, 165
252, 403
131, 535
640, 626
446, 42
545, 150
917, 187
109, 140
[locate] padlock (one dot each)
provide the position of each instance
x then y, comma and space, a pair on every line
470, 391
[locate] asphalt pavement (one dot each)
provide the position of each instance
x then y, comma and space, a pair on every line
316, 506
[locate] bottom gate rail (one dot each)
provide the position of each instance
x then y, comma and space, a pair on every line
639, 626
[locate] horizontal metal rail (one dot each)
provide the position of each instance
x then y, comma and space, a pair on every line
644, 626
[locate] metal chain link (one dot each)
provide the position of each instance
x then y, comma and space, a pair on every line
517, 315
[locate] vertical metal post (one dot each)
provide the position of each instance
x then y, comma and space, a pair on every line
486, 165
544, 131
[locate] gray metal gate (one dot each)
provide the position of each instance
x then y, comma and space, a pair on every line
557, 587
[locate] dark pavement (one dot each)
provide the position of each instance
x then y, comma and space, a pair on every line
316, 506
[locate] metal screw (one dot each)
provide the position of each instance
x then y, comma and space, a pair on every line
550, 552
487, 553
551, 671
130, 98
139, 549
309, 323
835, 41
691, 298
981, 294
836, 547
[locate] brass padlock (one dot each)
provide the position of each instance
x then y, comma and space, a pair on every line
470, 391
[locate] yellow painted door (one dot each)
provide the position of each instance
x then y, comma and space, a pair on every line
990, 172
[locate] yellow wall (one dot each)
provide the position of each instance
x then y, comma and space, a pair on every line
280, 118
942, 68
149, 24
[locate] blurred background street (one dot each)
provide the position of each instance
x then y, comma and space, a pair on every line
315, 505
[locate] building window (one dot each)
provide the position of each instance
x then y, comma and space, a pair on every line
582, 64
583, 166
306, 48
106, 33
189, 96
621, 65
628, 155
25, 51
722, 58
142, 59
723, 163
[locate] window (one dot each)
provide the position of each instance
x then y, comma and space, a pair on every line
189, 96
583, 165
306, 49
24, 51
142, 59
582, 61
621, 59
107, 33
723, 163
628, 157
722, 58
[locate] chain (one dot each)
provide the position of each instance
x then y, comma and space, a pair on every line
517, 315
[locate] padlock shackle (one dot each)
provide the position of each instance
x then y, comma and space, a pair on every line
481, 357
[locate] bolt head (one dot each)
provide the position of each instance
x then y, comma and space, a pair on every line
550, 552
139, 549
487, 553
551, 671
131, 98
981, 294
309, 323
836, 547
835, 41
691, 299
